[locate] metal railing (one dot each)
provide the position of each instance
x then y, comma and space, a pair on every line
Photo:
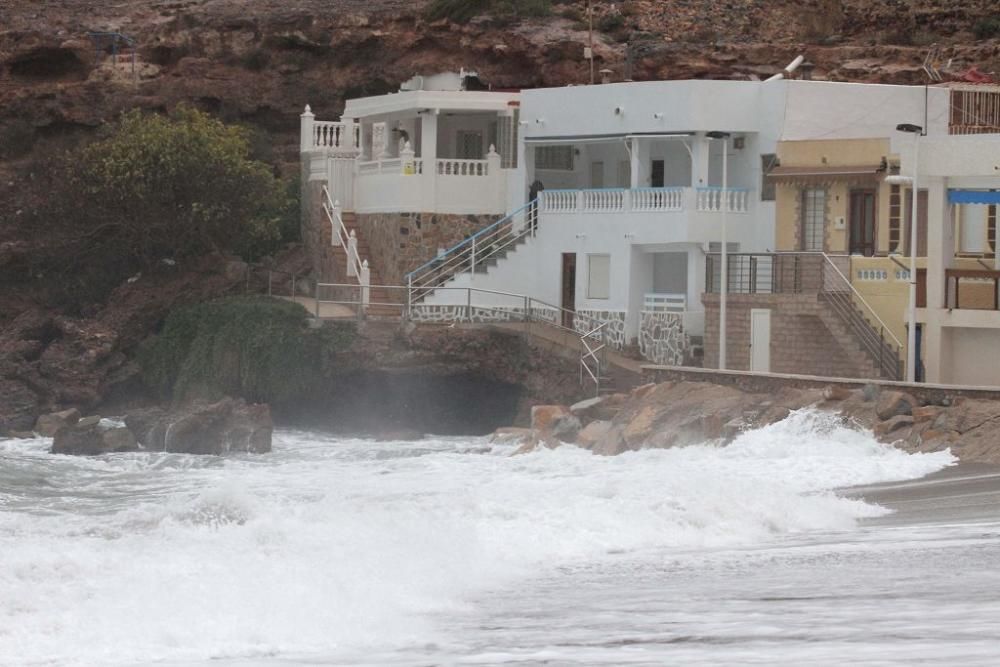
953, 289
472, 253
812, 272
474, 306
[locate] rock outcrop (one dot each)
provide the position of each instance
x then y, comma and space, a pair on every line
92, 436
48, 425
675, 414
224, 427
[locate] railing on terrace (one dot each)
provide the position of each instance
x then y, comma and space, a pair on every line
446, 167
336, 135
387, 166
492, 242
479, 306
797, 273
974, 297
644, 200
664, 303
356, 268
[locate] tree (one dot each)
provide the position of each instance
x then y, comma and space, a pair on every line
160, 187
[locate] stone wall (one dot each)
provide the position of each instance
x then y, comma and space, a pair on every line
400, 242
662, 339
802, 341
316, 229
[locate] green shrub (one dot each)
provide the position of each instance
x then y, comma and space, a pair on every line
611, 22
987, 28
257, 348
159, 187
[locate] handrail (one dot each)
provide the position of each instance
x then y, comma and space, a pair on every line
468, 240
857, 295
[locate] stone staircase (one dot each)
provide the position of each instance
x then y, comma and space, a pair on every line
843, 334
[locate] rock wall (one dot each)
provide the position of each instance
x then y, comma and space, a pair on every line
400, 242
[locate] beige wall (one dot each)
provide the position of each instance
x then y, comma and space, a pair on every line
834, 153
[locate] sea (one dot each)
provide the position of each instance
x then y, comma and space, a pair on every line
451, 551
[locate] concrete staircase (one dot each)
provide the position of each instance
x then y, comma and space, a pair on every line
846, 336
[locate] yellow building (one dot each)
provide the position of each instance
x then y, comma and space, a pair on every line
832, 196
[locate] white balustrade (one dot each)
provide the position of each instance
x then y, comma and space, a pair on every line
454, 167
391, 166
658, 199
603, 201
736, 200
665, 303
558, 201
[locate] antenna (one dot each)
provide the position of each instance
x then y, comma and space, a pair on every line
930, 65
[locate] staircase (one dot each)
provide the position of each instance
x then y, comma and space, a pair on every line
379, 297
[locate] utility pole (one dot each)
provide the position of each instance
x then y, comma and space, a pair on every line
590, 41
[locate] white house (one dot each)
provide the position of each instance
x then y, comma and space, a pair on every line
626, 181
960, 324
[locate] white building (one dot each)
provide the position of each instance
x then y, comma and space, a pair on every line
960, 325
628, 182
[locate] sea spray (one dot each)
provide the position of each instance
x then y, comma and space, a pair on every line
334, 546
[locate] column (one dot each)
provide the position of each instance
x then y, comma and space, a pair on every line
307, 123
699, 160
428, 153
940, 257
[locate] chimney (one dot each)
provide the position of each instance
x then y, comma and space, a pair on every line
807, 70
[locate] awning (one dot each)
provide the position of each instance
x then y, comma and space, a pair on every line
823, 173
984, 197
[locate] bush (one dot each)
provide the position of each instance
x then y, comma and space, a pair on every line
158, 187
987, 28
611, 23
257, 348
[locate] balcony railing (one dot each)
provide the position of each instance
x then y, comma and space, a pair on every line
645, 200
972, 289
336, 135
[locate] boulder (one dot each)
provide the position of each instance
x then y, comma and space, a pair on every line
836, 392
870, 392
92, 436
593, 433
511, 435
893, 403
554, 422
601, 408
891, 425
47, 425
223, 427
927, 413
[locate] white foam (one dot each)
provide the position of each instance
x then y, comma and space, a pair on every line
329, 546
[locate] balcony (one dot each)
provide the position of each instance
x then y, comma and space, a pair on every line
446, 185
972, 289
645, 200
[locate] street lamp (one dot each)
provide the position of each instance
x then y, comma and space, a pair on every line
724, 280
911, 334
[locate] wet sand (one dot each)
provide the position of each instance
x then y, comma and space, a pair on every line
966, 492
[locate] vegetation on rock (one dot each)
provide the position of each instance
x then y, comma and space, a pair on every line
257, 348
160, 187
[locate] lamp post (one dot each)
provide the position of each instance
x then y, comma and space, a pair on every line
723, 268
911, 333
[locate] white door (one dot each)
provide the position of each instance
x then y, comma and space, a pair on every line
760, 340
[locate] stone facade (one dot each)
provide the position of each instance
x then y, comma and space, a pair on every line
662, 339
806, 338
451, 313
316, 229
614, 332
401, 242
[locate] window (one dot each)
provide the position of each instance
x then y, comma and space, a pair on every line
470, 145
895, 219
768, 161
813, 219
507, 140
557, 158
598, 276
991, 228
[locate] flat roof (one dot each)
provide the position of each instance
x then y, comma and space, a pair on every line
419, 100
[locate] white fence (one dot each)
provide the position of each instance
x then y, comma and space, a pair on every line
644, 200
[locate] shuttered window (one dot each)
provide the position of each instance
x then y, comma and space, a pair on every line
598, 276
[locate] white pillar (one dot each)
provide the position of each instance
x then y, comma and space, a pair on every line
940, 257
307, 123
365, 281
498, 180
352, 251
635, 166
699, 161
428, 153
724, 277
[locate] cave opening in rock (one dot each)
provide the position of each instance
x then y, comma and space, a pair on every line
49, 63
383, 403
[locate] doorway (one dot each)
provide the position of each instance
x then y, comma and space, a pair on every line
862, 223
760, 340
568, 288
657, 174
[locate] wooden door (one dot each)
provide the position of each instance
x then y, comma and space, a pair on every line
760, 340
862, 223
568, 288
